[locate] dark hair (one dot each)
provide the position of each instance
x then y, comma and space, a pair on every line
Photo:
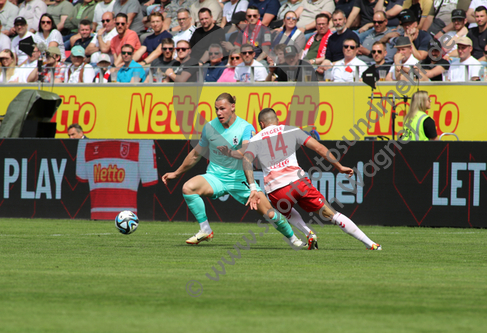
252, 7
84, 22
167, 41
339, 11
156, 14
481, 8
351, 39
247, 46
279, 47
129, 46
380, 43
322, 15
183, 10
122, 15
53, 25
204, 10
267, 114
226, 96
77, 127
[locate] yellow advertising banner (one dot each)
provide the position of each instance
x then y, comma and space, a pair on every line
335, 111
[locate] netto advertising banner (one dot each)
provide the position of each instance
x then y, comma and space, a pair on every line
414, 184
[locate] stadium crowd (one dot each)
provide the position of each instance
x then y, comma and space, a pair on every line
163, 41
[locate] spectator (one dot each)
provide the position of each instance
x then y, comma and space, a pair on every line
82, 11
104, 72
5, 42
379, 31
164, 57
307, 18
32, 10
293, 68
243, 70
268, 10
152, 41
434, 65
290, 34
203, 37
403, 59
294, 5
133, 10
279, 52
230, 8
8, 12
125, 36
131, 72
188, 71
439, 16
366, 9
420, 8
172, 11
54, 70
474, 4
49, 35
212, 5
217, 66
83, 38
316, 47
256, 34
79, 71
346, 6
185, 27
234, 59
76, 132
459, 20
101, 42
350, 68
20, 25
102, 7
8, 62
60, 11
465, 67
22, 72
334, 50
379, 53
478, 35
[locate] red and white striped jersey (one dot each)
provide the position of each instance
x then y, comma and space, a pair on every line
275, 147
114, 169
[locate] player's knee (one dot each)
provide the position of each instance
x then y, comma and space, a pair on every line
188, 189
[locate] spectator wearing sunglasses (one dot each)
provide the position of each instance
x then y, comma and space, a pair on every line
131, 71
125, 36
350, 68
243, 71
380, 30
188, 71
234, 59
102, 7
216, 67
49, 35
101, 42
379, 53
256, 34
290, 34
267, 9
164, 56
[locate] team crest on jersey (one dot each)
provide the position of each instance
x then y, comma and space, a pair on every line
124, 149
252, 133
95, 150
235, 141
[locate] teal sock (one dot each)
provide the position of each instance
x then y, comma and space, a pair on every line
282, 225
196, 206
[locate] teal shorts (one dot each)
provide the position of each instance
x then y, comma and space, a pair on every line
238, 190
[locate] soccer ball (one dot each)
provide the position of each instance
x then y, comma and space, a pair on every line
126, 222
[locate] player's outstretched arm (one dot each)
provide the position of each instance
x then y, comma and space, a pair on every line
325, 153
193, 157
237, 154
254, 198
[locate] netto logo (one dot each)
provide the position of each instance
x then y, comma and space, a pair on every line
112, 174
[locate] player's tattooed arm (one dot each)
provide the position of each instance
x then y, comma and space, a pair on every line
237, 154
254, 199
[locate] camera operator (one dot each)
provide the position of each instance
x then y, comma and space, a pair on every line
22, 72
52, 66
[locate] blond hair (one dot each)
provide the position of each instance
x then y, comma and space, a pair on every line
418, 103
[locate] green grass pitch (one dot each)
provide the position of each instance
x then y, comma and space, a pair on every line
84, 276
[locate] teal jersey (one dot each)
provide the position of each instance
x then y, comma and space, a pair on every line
214, 135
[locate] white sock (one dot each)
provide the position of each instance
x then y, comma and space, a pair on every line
293, 238
296, 220
351, 228
205, 227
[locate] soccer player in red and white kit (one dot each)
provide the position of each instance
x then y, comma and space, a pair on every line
285, 181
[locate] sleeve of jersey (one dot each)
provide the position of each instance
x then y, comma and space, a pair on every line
302, 137
247, 133
81, 161
203, 140
147, 163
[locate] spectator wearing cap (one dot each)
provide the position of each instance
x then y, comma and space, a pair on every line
459, 20
439, 17
419, 38
350, 68
420, 8
49, 35
8, 12
243, 71
293, 68
478, 35
125, 36
267, 9
367, 8
256, 34
434, 65
20, 26
231, 8
101, 42
214, 7
104, 62
403, 59
465, 67
54, 68
32, 11
59, 11
5, 42
79, 71
377, 33
185, 26
131, 71
22, 72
